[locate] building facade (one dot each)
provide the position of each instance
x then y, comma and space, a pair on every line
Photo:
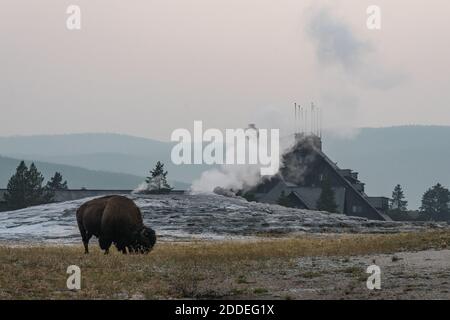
303, 171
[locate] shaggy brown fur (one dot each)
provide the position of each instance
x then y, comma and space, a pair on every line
114, 219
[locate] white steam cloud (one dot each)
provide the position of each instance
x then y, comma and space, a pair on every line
235, 177
337, 45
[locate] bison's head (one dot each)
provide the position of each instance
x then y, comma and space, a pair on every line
145, 240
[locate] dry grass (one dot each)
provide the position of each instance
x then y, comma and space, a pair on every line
185, 270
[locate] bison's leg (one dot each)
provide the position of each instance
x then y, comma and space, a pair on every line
104, 244
121, 247
86, 243
85, 236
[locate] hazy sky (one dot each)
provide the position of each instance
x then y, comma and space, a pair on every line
147, 67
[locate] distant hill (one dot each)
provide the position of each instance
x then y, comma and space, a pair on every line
415, 156
78, 177
85, 143
106, 152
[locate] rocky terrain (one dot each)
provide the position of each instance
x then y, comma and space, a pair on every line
404, 275
204, 216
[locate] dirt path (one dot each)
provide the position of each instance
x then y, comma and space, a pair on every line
406, 275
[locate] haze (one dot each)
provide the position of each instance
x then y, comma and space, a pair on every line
148, 67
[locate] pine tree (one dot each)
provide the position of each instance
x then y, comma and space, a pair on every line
16, 191
37, 194
398, 206
157, 181
326, 201
56, 183
397, 201
435, 204
25, 188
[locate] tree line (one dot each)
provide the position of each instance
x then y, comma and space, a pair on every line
434, 207
25, 188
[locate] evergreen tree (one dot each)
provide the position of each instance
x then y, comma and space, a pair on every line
435, 203
56, 183
327, 201
157, 181
37, 194
16, 191
25, 188
397, 201
398, 206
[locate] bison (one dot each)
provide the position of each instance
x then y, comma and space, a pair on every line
115, 220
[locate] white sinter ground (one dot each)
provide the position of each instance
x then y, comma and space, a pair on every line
203, 216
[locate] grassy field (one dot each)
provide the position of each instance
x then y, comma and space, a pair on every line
229, 269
